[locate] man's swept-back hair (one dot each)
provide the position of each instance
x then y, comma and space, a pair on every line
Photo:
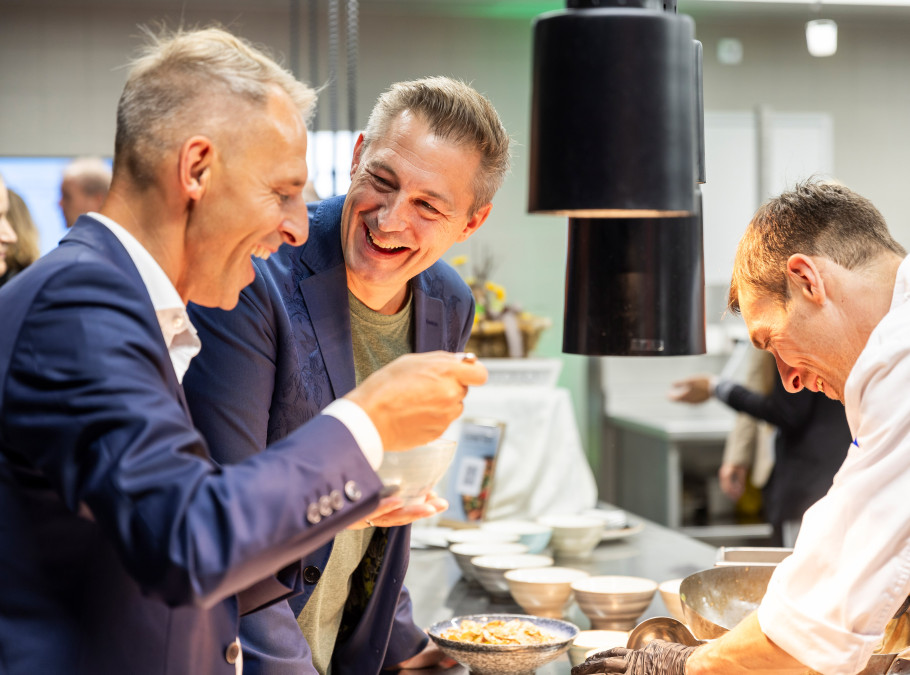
182, 84
815, 218
455, 112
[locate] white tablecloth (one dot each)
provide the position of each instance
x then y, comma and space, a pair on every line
541, 467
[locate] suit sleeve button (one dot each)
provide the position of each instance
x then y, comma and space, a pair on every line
336, 499
325, 506
232, 653
311, 574
312, 513
352, 491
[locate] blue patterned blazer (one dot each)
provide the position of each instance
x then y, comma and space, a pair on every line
273, 363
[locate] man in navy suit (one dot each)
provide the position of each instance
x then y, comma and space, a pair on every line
368, 286
125, 549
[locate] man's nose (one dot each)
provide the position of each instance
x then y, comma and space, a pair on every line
789, 375
393, 216
296, 228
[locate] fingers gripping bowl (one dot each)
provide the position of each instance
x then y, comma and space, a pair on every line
504, 659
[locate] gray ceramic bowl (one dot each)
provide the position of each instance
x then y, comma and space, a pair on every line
505, 659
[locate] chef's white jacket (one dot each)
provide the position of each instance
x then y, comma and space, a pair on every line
828, 603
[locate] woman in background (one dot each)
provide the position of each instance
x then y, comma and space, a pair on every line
23, 249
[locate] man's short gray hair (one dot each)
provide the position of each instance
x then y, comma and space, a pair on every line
456, 112
92, 174
174, 87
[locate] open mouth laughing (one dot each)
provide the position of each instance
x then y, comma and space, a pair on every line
382, 248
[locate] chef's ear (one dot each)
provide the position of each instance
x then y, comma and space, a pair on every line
804, 273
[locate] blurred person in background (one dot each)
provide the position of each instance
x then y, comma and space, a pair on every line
86, 181
811, 439
8, 236
27, 249
367, 287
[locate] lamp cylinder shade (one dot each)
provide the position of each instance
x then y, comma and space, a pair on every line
635, 287
613, 114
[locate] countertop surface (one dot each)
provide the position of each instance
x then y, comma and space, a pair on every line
438, 592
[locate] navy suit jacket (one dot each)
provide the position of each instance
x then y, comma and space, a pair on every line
275, 362
123, 548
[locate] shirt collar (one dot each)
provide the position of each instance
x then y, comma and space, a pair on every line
178, 332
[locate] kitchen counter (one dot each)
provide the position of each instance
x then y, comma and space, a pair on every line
438, 592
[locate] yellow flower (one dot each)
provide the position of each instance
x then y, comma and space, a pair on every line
497, 290
459, 260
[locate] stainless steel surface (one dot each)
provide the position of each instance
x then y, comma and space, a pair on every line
438, 592
717, 599
751, 555
661, 628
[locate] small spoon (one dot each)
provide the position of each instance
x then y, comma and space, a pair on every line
662, 628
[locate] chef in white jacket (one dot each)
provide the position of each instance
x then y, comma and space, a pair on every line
823, 286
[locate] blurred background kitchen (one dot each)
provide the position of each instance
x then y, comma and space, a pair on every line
774, 114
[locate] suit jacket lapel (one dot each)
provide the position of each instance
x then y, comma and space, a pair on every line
429, 314
325, 293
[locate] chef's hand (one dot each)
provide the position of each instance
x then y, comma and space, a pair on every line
413, 399
391, 512
430, 656
732, 480
697, 389
657, 658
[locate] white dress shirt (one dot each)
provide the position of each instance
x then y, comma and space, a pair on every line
828, 603
183, 343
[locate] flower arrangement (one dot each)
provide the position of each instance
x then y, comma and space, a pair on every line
500, 329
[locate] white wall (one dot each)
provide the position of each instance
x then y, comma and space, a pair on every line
61, 75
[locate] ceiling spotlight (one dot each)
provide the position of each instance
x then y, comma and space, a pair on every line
821, 37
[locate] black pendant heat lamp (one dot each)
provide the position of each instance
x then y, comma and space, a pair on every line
635, 287
617, 144
613, 111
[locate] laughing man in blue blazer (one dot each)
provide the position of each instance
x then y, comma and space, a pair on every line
368, 286
123, 547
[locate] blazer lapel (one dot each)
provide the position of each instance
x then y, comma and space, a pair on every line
429, 313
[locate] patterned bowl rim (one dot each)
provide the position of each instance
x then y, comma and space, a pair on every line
570, 629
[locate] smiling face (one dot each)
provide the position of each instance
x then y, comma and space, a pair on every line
7, 234
249, 202
807, 342
410, 199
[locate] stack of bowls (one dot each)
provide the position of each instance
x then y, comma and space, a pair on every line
573, 536
535, 536
474, 536
464, 551
614, 602
543, 591
490, 570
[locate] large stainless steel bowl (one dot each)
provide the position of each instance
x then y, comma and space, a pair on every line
717, 599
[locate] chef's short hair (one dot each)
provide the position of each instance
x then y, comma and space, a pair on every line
816, 218
455, 112
189, 82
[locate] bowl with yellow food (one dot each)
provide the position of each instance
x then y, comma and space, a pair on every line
503, 644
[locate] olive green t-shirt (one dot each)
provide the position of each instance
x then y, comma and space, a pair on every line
377, 340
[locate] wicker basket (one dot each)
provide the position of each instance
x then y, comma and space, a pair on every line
488, 338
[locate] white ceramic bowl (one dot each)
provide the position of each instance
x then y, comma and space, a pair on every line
573, 536
614, 602
490, 570
474, 536
669, 593
589, 642
535, 536
483, 659
416, 471
464, 551
543, 591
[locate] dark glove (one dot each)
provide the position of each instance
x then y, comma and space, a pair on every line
657, 658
